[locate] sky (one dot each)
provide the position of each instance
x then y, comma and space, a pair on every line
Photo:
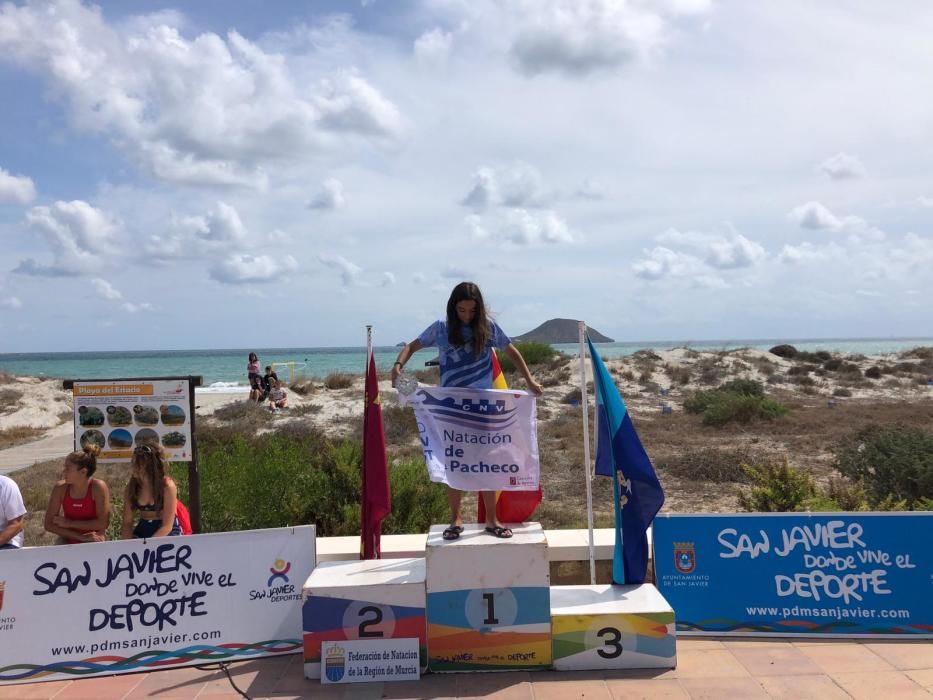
277, 174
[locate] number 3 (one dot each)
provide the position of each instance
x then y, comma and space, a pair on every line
615, 637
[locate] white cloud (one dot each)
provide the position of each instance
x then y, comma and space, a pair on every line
433, 47
815, 216
734, 252
515, 185
11, 302
388, 279
80, 237
661, 262
591, 190
105, 290
205, 110
803, 253
16, 189
843, 166
248, 269
709, 282
475, 227
925, 201
330, 196
868, 293
193, 236
349, 271
132, 308
523, 227
577, 37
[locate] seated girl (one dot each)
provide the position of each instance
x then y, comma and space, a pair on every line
151, 493
79, 507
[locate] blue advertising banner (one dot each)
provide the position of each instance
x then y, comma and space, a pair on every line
839, 574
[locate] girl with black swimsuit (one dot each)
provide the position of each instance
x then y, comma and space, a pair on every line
153, 494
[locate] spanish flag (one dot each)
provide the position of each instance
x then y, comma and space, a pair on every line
511, 506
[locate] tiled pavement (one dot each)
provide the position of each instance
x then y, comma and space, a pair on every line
707, 668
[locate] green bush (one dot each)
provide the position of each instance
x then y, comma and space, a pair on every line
534, 354
893, 462
297, 476
777, 488
740, 400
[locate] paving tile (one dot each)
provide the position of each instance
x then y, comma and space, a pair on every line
515, 685
755, 643
818, 687
101, 687
32, 691
692, 643
924, 677
718, 688
890, 685
643, 674
571, 685
435, 685
775, 661
648, 689
904, 655
843, 657
709, 663
172, 684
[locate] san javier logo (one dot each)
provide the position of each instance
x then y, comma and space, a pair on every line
277, 588
685, 560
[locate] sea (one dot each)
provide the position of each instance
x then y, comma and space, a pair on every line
225, 370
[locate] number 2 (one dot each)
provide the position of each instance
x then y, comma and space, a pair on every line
614, 641
362, 632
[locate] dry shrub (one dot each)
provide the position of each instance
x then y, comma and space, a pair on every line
9, 398
431, 376
400, 425
921, 353
242, 417
719, 465
840, 391
303, 386
338, 380
6, 377
305, 409
19, 435
873, 372
678, 375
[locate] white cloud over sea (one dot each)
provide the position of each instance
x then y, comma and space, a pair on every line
316, 167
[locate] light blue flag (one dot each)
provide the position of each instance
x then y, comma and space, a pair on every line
637, 493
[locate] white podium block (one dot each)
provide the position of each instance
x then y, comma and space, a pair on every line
488, 600
372, 599
605, 626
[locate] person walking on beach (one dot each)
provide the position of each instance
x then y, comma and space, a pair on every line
465, 340
151, 492
12, 514
79, 505
255, 380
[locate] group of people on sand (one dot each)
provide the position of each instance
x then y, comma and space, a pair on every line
79, 505
263, 387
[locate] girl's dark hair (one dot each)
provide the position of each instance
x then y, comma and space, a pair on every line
85, 458
253, 357
151, 458
468, 291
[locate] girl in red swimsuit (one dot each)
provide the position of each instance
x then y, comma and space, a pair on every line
79, 507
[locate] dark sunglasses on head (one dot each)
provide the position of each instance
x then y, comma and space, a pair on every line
144, 450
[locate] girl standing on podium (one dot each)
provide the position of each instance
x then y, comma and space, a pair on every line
465, 340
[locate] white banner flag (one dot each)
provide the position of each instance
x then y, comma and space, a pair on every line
478, 439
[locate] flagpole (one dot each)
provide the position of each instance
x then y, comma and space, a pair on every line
369, 347
584, 402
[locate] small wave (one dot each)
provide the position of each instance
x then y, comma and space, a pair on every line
223, 388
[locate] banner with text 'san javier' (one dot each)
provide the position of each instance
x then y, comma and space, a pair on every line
478, 439
138, 605
838, 574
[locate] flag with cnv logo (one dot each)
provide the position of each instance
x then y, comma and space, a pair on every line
637, 493
511, 506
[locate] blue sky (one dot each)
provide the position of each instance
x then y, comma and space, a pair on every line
218, 174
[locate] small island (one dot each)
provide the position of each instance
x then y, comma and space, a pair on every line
560, 330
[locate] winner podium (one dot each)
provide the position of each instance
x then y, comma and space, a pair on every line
488, 600
372, 599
